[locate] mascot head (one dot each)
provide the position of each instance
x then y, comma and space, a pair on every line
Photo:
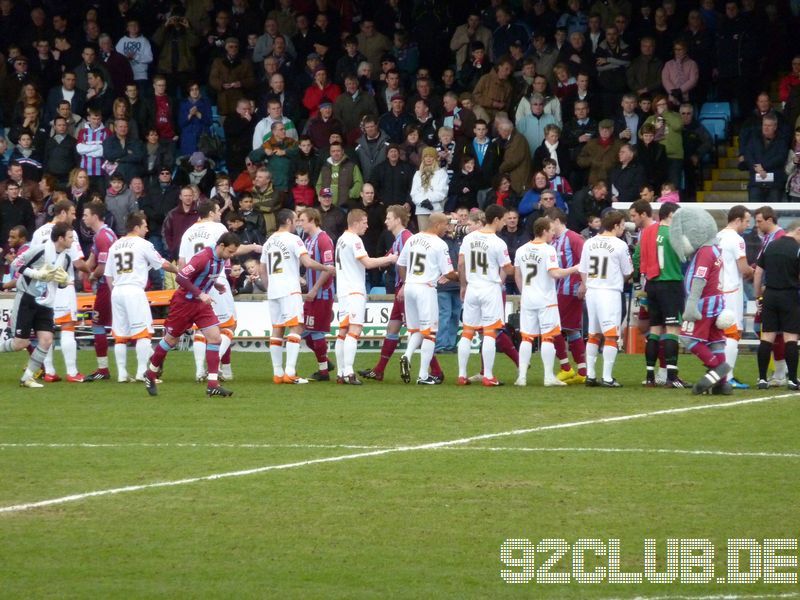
691, 228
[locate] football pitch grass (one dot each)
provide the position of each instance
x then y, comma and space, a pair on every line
385, 490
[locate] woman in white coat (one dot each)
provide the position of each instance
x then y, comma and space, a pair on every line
429, 187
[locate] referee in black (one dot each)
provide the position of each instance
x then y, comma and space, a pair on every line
777, 283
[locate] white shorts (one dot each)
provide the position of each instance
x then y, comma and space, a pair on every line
544, 321
352, 309
130, 312
604, 308
286, 311
422, 307
223, 306
483, 307
65, 306
735, 301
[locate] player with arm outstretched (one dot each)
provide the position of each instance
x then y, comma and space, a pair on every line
281, 257
424, 262
352, 261
536, 271
204, 234
192, 305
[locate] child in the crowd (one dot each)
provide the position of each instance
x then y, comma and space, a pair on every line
253, 219
237, 276
556, 182
593, 229
669, 193
252, 283
302, 192
445, 150
464, 186
120, 202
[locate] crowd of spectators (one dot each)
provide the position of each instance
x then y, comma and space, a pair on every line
441, 106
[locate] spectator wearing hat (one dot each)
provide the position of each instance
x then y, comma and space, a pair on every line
197, 170
320, 128
320, 89
231, 77
334, 219
395, 120
392, 178
14, 82
599, 154
341, 175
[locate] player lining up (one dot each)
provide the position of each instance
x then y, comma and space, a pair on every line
536, 271
423, 262
482, 257
191, 305
604, 267
127, 270
352, 261
281, 257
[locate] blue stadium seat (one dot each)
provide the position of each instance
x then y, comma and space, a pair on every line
377, 290
717, 126
716, 109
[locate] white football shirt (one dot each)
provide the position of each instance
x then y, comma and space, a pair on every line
130, 259
281, 255
484, 255
350, 271
426, 258
42, 236
535, 261
606, 261
200, 235
732, 246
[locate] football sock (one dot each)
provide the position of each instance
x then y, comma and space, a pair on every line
321, 352
610, 350
212, 360
414, 342
561, 352
671, 348
592, 351
578, 349
8, 345
143, 351
387, 350
504, 344
350, 346
464, 347
292, 352
69, 348
731, 352
276, 354
548, 352
339, 349
199, 351
436, 368
488, 353
791, 361
426, 354
225, 350
121, 358
34, 363
706, 356
49, 367
525, 352
764, 354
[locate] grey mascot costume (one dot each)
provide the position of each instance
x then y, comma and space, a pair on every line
693, 235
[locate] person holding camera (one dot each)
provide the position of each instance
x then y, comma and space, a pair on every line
179, 63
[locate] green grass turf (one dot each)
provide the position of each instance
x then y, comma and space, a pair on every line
419, 524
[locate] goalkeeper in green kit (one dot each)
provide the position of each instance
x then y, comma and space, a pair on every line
665, 296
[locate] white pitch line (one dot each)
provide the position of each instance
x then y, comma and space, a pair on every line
185, 445
716, 597
400, 449
724, 453
635, 451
